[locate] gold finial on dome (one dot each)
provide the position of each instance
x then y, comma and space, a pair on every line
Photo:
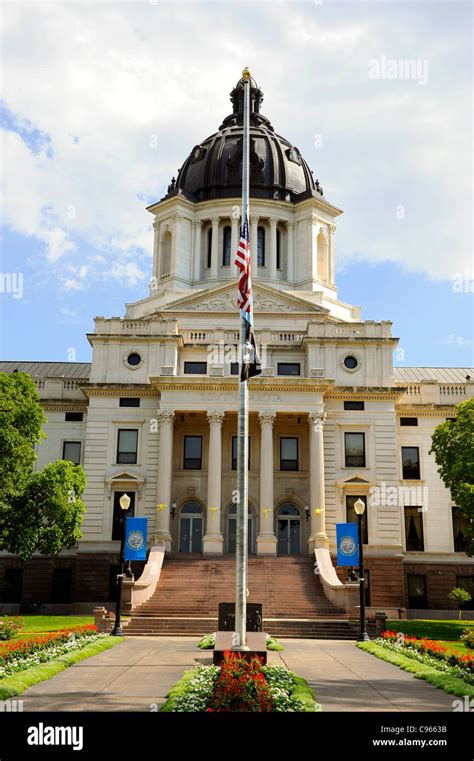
246, 73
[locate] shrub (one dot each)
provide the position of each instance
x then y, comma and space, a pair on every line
467, 637
9, 627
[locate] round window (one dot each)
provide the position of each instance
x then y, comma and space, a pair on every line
134, 359
350, 362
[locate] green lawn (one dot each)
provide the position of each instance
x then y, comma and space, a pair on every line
440, 630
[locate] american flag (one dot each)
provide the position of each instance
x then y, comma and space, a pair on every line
242, 261
250, 365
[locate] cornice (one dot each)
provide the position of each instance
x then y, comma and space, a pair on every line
377, 392
256, 385
50, 405
426, 410
118, 390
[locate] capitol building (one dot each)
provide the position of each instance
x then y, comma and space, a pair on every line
331, 419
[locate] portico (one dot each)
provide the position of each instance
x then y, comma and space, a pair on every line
197, 468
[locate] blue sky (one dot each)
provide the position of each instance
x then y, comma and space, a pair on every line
101, 107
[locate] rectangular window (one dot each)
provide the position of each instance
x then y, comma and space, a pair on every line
467, 583
62, 585
234, 453
411, 463
354, 405
288, 453
414, 529
73, 417
409, 421
12, 585
192, 453
460, 524
72, 451
351, 515
120, 515
234, 368
289, 368
354, 446
416, 587
127, 445
195, 368
128, 401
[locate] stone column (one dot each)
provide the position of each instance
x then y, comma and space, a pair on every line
332, 263
165, 475
318, 537
254, 219
290, 251
215, 248
234, 242
156, 250
272, 263
197, 250
266, 540
213, 542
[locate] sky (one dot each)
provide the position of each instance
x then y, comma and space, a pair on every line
103, 101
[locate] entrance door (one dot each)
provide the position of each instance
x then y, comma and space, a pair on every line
289, 529
190, 528
232, 530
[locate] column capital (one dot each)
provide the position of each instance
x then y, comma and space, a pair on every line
274, 221
315, 220
197, 224
317, 419
332, 229
267, 417
156, 224
254, 219
215, 417
215, 220
165, 416
291, 224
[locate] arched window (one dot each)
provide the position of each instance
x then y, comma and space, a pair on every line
261, 247
322, 262
209, 247
226, 246
166, 254
278, 249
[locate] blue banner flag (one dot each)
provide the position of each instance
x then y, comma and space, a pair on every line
135, 538
347, 544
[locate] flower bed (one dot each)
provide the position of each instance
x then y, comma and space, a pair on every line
24, 653
431, 653
240, 686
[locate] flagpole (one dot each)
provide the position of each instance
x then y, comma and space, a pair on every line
243, 418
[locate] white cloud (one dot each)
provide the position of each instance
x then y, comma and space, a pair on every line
101, 83
458, 340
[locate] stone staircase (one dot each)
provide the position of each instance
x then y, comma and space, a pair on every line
186, 598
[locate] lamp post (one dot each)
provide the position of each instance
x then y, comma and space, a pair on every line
124, 502
359, 508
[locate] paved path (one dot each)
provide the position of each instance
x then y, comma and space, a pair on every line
136, 675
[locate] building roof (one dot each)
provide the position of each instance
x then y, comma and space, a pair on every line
49, 369
440, 374
277, 169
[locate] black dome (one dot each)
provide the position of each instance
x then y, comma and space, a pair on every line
214, 167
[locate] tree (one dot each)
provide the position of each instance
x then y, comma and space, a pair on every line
453, 448
459, 596
39, 512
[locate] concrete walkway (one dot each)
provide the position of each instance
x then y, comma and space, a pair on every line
136, 675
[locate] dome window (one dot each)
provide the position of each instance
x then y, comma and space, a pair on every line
226, 242
209, 247
261, 247
278, 251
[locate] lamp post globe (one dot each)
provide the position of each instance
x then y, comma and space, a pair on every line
124, 502
359, 508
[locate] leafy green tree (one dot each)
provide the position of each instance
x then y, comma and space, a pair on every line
459, 596
453, 448
42, 511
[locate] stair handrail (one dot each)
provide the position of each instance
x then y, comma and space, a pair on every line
341, 595
136, 592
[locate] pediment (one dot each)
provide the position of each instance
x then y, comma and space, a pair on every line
224, 299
